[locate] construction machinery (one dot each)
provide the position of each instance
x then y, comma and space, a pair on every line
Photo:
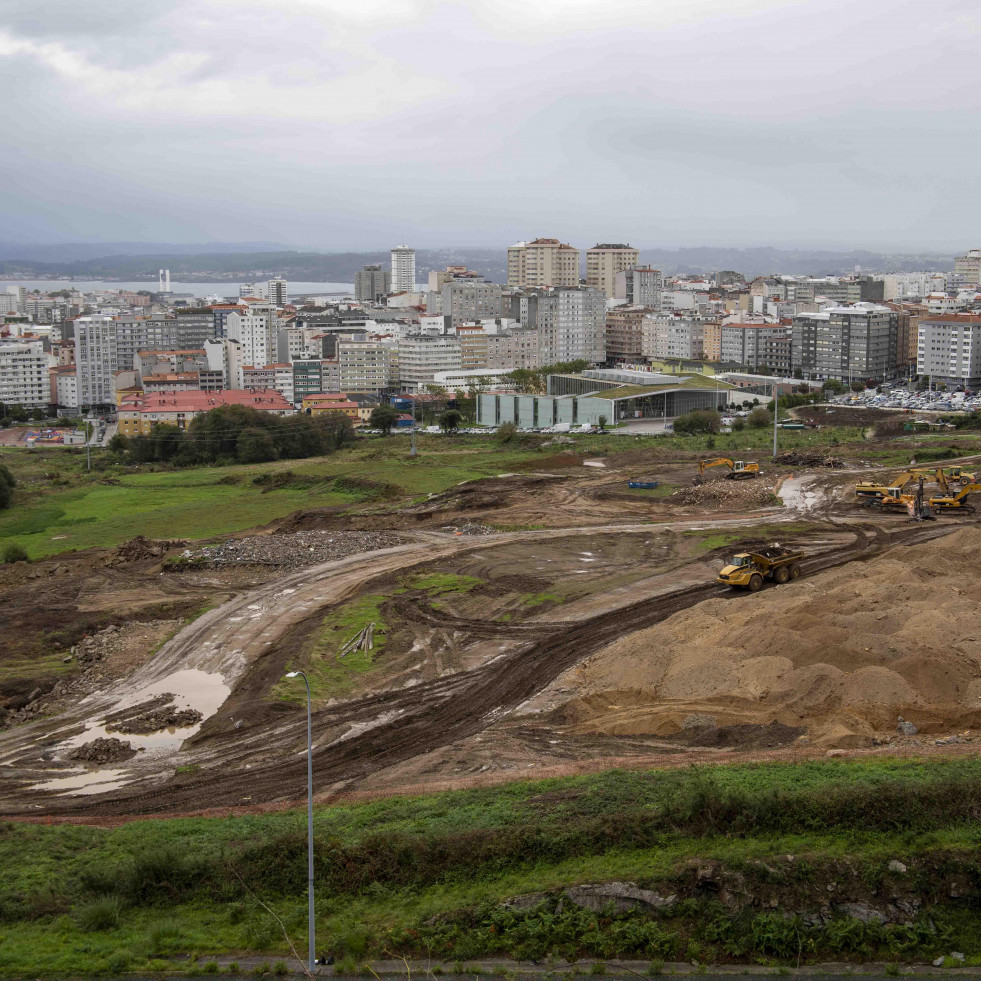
738, 470
873, 493
956, 501
748, 570
961, 475
915, 505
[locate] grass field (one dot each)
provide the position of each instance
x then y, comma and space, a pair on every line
59, 506
425, 876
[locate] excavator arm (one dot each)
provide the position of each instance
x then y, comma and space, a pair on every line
720, 462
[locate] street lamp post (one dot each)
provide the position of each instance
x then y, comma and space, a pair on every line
311, 928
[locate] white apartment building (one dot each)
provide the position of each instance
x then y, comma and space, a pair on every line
967, 270
640, 287
605, 262
422, 356
24, 374
66, 388
96, 360
251, 332
513, 349
904, 286
943, 303
572, 326
403, 269
664, 337
542, 263
365, 366
948, 350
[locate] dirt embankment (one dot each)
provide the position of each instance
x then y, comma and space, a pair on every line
842, 654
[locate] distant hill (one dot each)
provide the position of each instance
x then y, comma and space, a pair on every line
223, 262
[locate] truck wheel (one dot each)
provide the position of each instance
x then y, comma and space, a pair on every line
755, 582
781, 574
795, 572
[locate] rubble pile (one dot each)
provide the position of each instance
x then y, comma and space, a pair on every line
140, 549
97, 646
293, 550
726, 494
152, 716
102, 751
470, 528
796, 458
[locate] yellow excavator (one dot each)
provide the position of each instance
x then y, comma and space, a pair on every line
915, 505
738, 470
956, 501
871, 493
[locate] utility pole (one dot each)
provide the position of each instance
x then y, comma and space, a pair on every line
775, 414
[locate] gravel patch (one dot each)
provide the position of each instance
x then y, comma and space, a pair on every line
291, 551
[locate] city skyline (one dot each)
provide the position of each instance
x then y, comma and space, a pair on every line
779, 123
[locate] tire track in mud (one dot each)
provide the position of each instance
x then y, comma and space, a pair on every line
393, 727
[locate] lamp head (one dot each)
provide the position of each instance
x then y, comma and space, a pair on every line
293, 674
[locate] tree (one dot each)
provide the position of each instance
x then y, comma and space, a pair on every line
336, 430
18, 413
450, 420
799, 373
384, 417
833, 385
254, 446
857, 387
119, 444
699, 421
759, 417
7, 484
601, 422
37, 414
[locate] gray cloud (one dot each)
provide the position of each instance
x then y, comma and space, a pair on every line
341, 125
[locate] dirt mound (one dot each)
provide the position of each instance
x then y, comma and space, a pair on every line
152, 716
141, 549
102, 751
843, 654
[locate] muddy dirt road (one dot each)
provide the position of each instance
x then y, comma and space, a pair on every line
236, 761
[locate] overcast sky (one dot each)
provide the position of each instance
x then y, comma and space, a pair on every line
357, 124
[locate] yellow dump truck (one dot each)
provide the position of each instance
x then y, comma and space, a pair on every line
747, 570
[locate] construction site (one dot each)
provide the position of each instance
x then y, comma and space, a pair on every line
566, 617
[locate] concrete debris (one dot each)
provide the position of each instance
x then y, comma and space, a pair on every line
896, 866
102, 751
906, 728
470, 528
289, 551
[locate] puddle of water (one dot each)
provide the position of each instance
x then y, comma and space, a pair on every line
85, 782
192, 689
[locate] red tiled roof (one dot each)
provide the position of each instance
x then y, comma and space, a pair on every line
260, 398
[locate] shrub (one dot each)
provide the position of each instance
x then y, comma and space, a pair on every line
759, 417
100, 914
280, 968
210, 968
699, 421
14, 553
161, 875
506, 432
